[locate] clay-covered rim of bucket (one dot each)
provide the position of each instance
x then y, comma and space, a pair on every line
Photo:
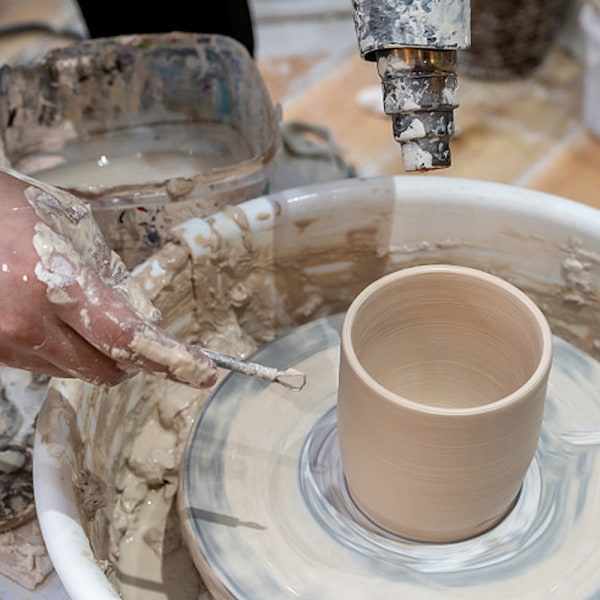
108, 86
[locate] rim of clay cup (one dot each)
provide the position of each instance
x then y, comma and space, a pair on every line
540, 372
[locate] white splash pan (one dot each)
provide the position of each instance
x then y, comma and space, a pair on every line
319, 246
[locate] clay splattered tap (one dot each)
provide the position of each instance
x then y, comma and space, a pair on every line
290, 378
414, 44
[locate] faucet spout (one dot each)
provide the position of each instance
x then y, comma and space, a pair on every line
415, 43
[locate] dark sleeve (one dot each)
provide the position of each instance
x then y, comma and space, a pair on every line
227, 17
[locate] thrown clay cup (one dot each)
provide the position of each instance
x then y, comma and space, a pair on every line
442, 382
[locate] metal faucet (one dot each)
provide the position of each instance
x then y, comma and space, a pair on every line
415, 43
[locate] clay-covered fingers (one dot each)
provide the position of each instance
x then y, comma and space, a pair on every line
109, 323
81, 313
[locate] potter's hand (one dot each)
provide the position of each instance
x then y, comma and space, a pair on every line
68, 306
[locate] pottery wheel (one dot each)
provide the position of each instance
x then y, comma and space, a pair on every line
266, 513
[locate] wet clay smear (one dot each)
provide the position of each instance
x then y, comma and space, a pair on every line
16, 444
23, 556
16, 487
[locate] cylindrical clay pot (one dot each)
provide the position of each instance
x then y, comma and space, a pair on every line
442, 382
